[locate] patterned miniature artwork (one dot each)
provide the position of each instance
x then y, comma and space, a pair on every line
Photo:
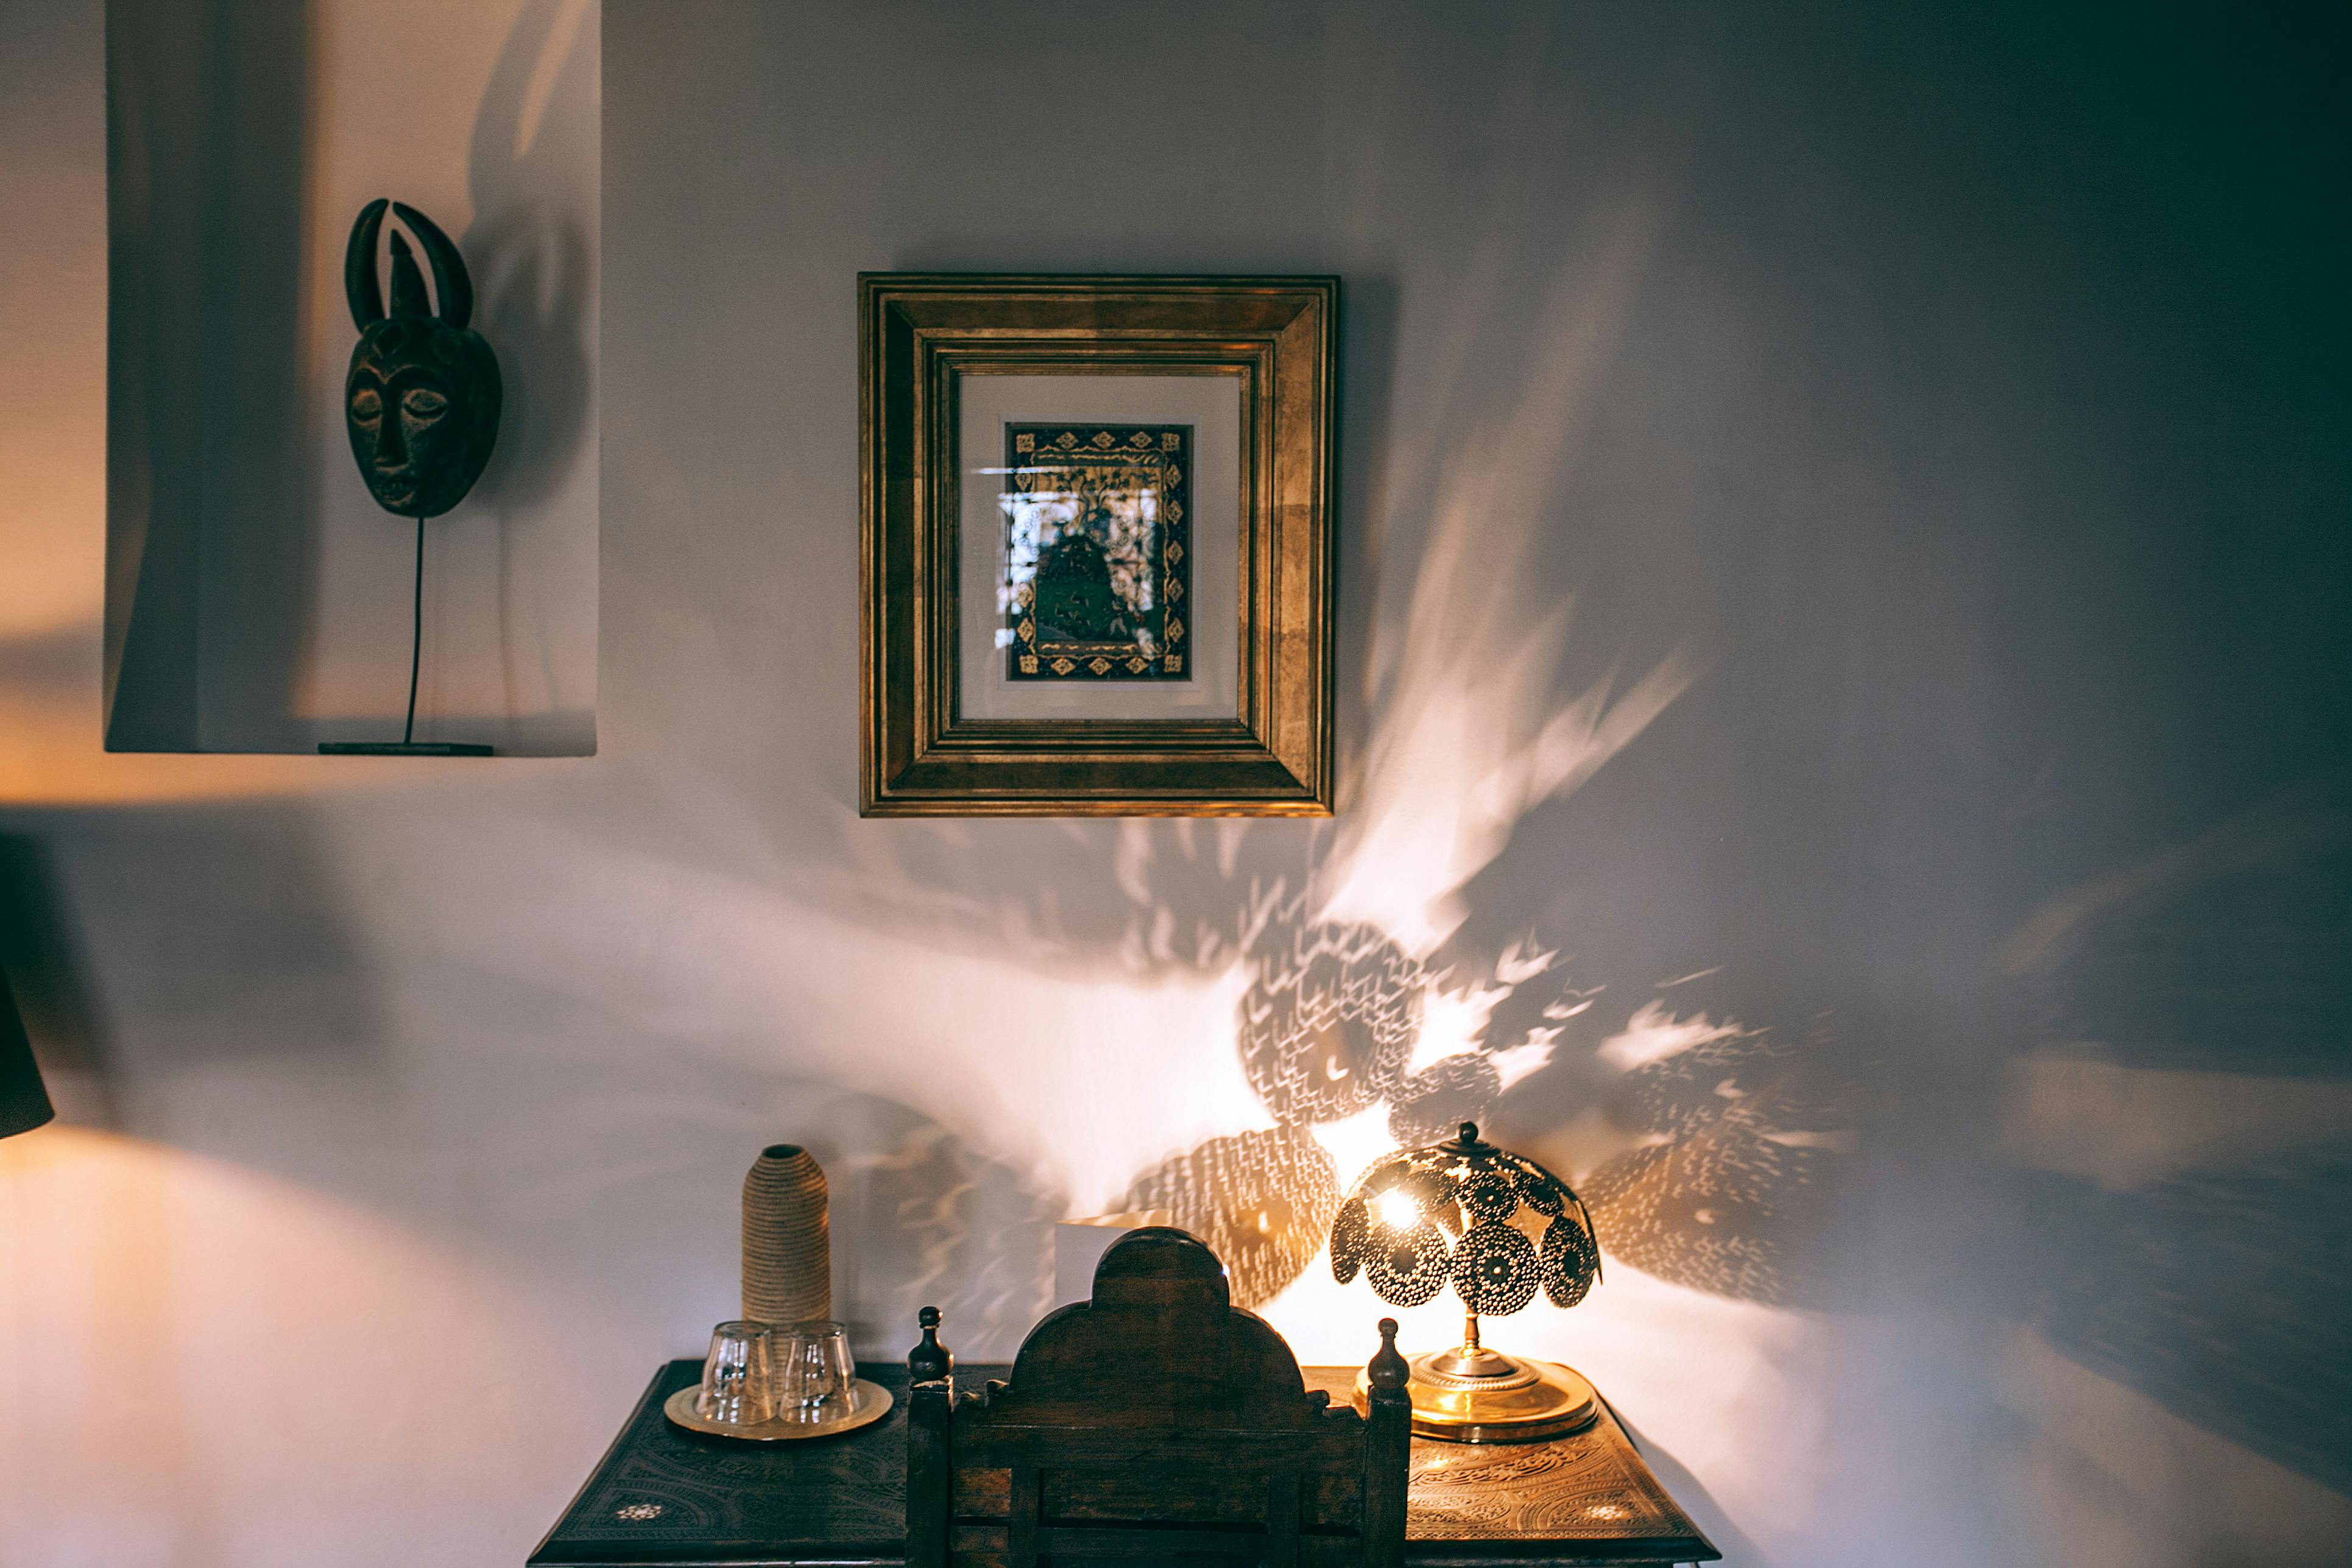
1096, 550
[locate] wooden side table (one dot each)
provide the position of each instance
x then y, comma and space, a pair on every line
666, 1496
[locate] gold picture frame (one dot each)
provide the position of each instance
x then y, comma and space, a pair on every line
950, 726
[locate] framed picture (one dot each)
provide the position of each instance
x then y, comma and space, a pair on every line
1097, 545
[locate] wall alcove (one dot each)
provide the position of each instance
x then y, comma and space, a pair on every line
256, 598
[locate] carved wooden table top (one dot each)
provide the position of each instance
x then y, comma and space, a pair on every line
663, 1496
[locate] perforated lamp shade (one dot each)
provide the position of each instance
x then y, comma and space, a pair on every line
1498, 1227
23, 1101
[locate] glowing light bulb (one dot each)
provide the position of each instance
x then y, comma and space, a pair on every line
1398, 1210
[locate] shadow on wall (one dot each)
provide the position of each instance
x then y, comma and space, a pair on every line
245, 950
941, 1225
206, 106
2185, 1110
535, 271
530, 257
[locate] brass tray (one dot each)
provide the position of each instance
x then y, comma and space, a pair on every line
873, 1404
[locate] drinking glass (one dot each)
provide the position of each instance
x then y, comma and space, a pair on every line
816, 1379
738, 1379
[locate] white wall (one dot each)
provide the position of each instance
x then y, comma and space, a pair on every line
1842, 552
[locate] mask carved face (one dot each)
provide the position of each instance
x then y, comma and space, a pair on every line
422, 398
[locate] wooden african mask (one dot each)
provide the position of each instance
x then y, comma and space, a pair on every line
422, 398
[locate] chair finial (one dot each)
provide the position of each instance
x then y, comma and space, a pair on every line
1388, 1371
930, 1362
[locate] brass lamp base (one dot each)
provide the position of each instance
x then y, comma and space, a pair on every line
1476, 1395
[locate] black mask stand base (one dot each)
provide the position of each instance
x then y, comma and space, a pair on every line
404, 747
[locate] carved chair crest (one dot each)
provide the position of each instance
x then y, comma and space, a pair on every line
1155, 1411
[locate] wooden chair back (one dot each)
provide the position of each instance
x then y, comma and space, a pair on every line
1156, 1422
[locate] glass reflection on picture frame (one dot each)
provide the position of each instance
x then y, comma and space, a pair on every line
1095, 568
1097, 545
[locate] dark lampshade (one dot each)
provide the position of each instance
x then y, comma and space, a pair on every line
24, 1103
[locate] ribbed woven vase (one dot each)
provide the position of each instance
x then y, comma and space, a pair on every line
787, 1256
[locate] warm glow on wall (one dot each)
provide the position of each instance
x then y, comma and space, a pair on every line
196, 1330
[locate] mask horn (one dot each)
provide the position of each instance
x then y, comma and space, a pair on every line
358, 267
451, 286
408, 300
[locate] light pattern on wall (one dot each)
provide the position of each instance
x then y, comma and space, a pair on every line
1727, 1187
1330, 1031
1261, 1200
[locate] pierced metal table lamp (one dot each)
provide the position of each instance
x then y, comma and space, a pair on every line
1495, 1226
